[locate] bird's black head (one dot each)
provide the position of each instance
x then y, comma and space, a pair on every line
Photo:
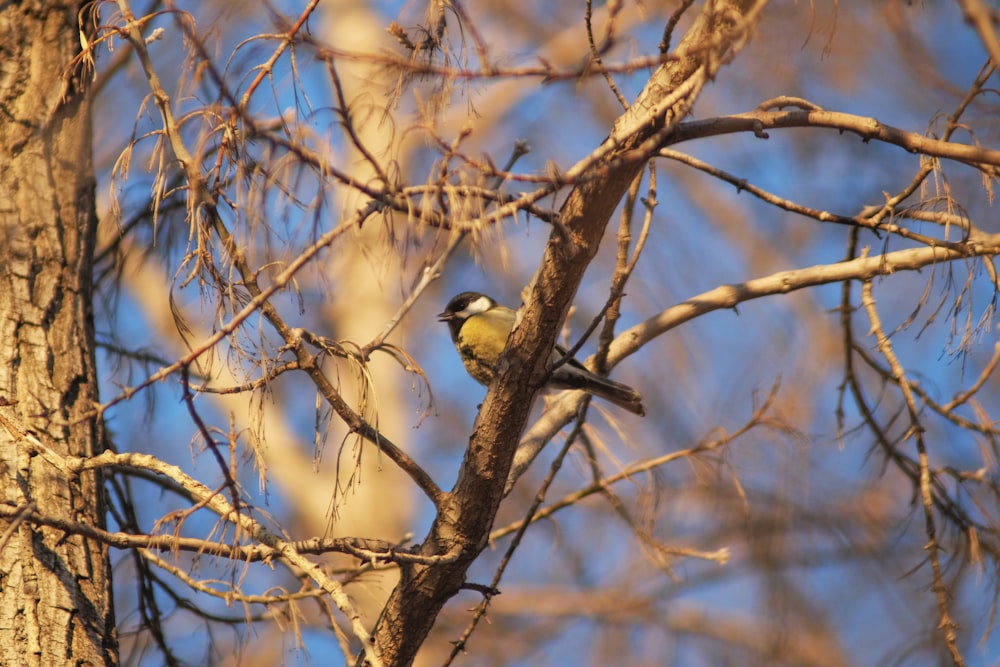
462, 307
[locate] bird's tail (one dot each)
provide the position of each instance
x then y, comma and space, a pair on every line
622, 395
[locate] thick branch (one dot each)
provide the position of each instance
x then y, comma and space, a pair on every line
465, 518
869, 129
782, 282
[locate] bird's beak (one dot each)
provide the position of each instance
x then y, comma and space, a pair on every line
445, 316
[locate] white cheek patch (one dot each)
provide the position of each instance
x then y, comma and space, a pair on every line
480, 305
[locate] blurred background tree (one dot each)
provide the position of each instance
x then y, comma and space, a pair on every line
289, 192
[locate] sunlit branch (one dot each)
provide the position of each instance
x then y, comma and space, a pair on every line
869, 129
874, 223
366, 550
984, 21
916, 431
758, 418
260, 296
947, 411
267, 68
433, 271
729, 296
283, 549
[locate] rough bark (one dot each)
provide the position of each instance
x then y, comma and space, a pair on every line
55, 589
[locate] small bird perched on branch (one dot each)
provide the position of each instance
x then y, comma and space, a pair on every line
479, 328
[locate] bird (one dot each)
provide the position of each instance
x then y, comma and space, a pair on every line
479, 328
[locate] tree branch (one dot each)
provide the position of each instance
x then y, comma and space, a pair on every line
782, 282
464, 520
867, 128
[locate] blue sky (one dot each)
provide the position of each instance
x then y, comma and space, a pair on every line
700, 376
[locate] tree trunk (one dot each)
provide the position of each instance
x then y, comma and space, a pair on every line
55, 589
